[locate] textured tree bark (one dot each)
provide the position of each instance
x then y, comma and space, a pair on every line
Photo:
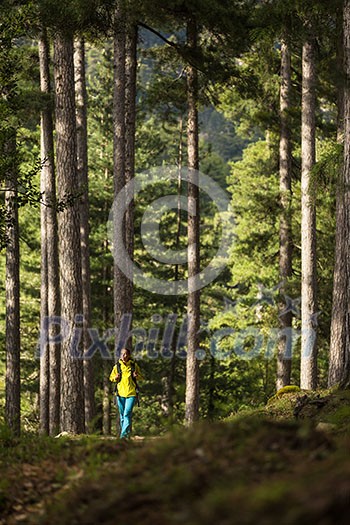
120, 280
339, 358
285, 234
72, 391
130, 126
308, 371
12, 290
44, 386
82, 166
193, 301
50, 300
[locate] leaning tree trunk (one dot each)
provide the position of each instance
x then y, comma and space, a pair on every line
285, 256
308, 371
50, 301
82, 165
193, 301
120, 280
12, 288
72, 392
339, 360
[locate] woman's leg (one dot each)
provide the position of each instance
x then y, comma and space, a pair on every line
127, 419
121, 408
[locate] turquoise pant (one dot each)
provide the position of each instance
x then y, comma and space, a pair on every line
125, 407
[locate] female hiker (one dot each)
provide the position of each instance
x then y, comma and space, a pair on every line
126, 373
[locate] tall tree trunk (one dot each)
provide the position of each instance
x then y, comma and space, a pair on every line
285, 256
82, 166
12, 338
72, 391
193, 301
339, 361
106, 279
44, 388
172, 367
120, 280
308, 372
130, 126
106, 399
50, 300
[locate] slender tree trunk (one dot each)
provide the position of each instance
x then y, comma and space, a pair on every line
106, 400
82, 165
12, 338
120, 280
50, 300
193, 301
339, 360
285, 259
308, 372
172, 368
130, 126
44, 389
72, 391
106, 279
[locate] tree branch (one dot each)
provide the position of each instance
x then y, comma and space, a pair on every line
154, 31
179, 49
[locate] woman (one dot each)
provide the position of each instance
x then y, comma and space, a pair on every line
126, 373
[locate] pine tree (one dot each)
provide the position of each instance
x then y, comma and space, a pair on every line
285, 234
50, 300
11, 28
72, 391
308, 371
339, 362
83, 181
193, 301
120, 280
130, 126
12, 286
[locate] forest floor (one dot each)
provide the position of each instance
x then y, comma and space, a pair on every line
288, 463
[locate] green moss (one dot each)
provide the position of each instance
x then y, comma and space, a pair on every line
340, 417
285, 390
288, 389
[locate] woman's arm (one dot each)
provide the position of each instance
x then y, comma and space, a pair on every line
114, 374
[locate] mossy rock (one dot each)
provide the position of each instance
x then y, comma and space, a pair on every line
291, 402
323, 406
289, 389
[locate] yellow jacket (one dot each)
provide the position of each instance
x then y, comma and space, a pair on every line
126, 386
